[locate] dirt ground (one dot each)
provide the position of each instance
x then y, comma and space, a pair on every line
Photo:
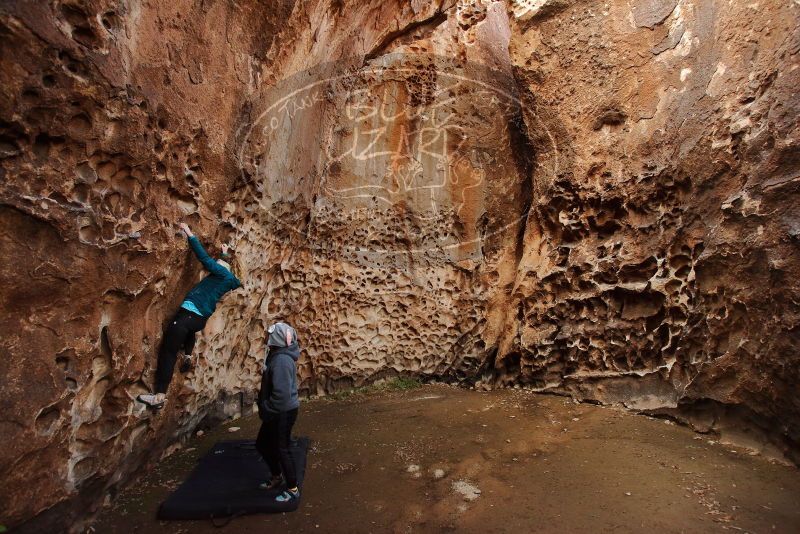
439, 458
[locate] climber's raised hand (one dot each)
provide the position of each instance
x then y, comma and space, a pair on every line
186, 230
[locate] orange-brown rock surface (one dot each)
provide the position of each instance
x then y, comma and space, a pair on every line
661, 255
598, 198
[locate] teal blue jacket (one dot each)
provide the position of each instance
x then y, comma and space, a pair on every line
207, 293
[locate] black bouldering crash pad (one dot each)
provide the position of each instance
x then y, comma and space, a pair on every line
225, 483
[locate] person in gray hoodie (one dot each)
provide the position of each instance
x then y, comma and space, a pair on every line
277, 406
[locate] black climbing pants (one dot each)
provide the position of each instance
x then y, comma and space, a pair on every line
179, 334
274, 443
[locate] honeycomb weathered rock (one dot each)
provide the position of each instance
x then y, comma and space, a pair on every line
660, 266
594, 198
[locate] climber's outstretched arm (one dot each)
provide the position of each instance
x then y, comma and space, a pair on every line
207, 261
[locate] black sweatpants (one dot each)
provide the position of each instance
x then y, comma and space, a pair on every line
179, 334
274, 443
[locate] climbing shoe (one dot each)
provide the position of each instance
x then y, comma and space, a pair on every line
271, 484
153, 401
186, 364
288, 495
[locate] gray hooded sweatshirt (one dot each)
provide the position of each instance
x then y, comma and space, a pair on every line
279, 378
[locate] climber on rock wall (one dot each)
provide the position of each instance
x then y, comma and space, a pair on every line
277, 406
191, 318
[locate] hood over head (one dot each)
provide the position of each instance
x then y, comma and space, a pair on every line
281, 335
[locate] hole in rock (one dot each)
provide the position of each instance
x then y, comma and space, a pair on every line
679, 260
185, 204
107, 232
634, 305
191, 179
85, 468
30, 95
8, 147
46, 421
79, 127
110, 21
41, 147
124, 184
106, 170
85, 173
64, 359
640, 272
86, 36
74, 14
111, 201
683, 272
673, 286
88, 233
609, 117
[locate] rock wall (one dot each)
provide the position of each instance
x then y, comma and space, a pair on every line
661, 256
118, 120
598, 199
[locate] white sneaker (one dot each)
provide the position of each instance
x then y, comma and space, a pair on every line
154, 401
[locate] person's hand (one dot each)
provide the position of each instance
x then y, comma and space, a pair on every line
186, 230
